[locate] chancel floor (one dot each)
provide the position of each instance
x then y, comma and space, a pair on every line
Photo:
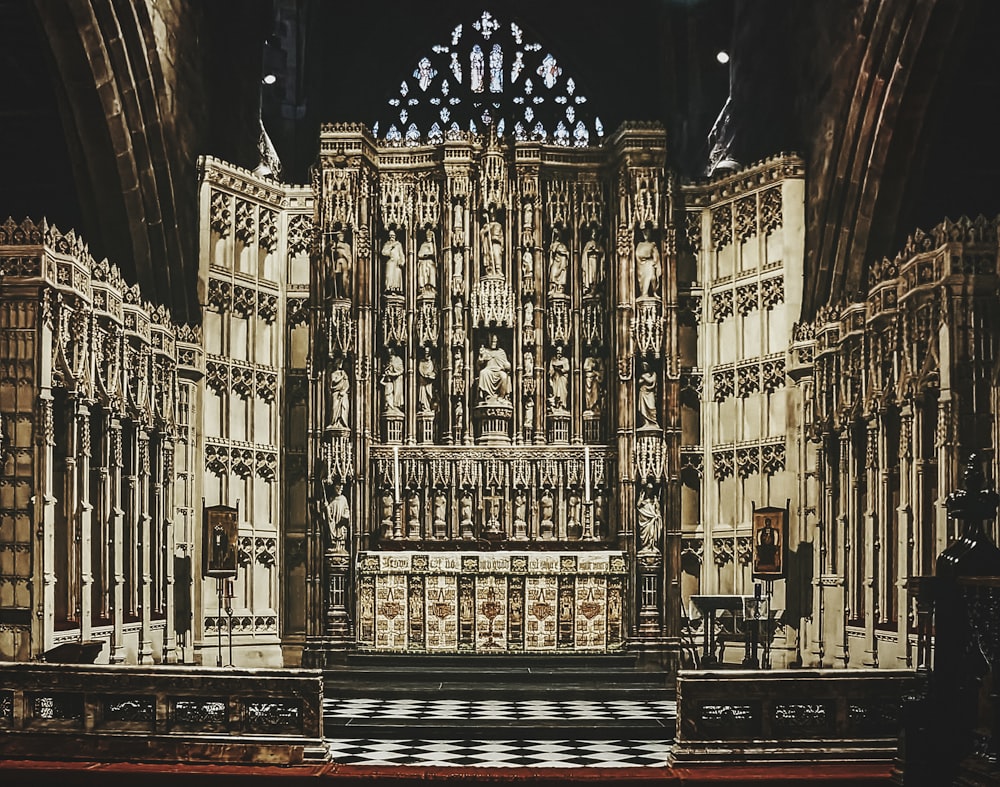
500, 753
508, 733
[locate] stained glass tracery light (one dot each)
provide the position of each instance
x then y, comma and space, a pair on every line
502, 65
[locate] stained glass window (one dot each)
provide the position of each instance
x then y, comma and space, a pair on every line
489, 74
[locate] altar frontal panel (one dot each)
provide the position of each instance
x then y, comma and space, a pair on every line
492, 603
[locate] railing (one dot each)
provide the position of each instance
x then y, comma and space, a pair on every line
788, 715
161, 713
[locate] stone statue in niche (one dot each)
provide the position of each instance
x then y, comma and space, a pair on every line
529, 411
558, 265
491, 246
426, 374
392, 384
388, 512
647, 265
413, 520
574, 522
650, 522
600, 522
546, 512
494, 373
395, 261
457, 324
340, 386
559, 381
457, 266
465, 515
528, 243
427, 265
520, 514
593, 380
647, 397
592, 270
440, 514
529, 314
456, 216
459, 418
337, 513
529, 363
338, 258
493, 517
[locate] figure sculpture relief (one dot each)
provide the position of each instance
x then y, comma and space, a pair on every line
593, 264
647, 265
491, 245
338, 516
559, 381
340, 386
520, 512
427, 265
558, 265
599, 516
427, 374
647, 397
546, 511
593, 380
465, 515
527, 244
339, 260
457, 324
650, 522
413, 522
440, 513
392, 384
388, 512
395, 261
494, 373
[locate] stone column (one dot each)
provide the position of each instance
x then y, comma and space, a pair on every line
84, 520
144, 535
116, 544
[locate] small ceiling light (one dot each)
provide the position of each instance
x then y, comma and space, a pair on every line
722, 56
270, 79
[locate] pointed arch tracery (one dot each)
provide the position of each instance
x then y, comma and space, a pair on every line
489, 74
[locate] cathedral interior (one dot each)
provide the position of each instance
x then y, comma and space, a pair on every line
567, 353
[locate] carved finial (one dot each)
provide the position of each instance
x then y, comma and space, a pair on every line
975, 502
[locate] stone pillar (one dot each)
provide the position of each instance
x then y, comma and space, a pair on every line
905, 564
116, 546
144, 535
84, 520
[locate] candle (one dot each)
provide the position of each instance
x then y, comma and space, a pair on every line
586, 472
395, 470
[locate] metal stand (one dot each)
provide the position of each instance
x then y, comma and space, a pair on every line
229, 612
218, 620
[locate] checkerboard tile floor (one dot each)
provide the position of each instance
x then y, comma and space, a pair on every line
340, 710
499, 753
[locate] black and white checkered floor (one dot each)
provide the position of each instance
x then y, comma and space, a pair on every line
500, 754
369, 708
528, 750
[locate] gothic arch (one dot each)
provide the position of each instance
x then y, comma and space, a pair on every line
871, 134
108, 60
